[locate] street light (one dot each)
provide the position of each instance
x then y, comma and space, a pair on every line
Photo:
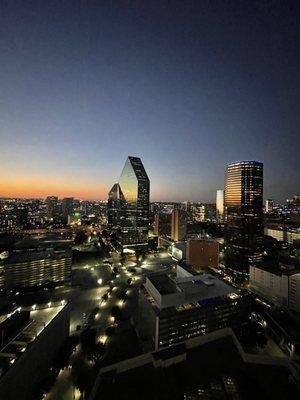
100, 281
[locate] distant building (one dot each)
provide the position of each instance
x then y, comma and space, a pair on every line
162, 224
34, 263
269, 206
67, 207
178, 225
283, 234
178, 250
244, 214
172, 310
280, 286
131, 196
51, 206
32, 340
220, 206
201, 253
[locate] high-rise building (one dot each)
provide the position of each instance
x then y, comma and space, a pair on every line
220, 205
113, 207
128, 204
243, 213
162, 224
51, 206
269, 205
178, 225
67, 207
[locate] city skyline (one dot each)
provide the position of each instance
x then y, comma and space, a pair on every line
84, 86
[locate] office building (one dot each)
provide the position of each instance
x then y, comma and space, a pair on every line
283, 234
67, 207
31, 339
32, 263
278, 285
202, 253
269, 206
162, 224
220, 206
172, 310
210, 367
51, 206
131, 197
178, 225
113, 207
244, 214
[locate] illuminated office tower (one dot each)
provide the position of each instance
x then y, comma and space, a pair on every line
178, 225
269, 205
220, 206
129, 204
244, 214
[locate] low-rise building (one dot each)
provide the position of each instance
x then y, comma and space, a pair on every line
33, 338
172, 310
280, 286
288, 235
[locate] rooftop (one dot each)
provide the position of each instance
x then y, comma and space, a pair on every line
194, 288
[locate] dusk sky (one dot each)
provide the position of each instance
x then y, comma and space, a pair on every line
188, 86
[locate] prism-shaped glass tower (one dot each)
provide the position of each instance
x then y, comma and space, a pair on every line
128, 204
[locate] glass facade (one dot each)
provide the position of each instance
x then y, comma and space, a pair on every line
244, 212
128, 204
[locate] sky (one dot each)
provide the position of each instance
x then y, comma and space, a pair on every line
188, 86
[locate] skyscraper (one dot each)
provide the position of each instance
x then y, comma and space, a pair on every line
67, 207
220, 206
113, 207
128, 204
178, 225
244, 213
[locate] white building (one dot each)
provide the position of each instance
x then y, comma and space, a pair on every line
280, 287
283, 235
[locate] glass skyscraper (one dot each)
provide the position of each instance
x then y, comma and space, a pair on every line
128, 204
244, 213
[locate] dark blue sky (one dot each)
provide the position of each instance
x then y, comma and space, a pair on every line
188, 86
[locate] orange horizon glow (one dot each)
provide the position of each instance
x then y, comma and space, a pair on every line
41, 188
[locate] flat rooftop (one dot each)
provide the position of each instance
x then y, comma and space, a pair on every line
39, 319
200, 286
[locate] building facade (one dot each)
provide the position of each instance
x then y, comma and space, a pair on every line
279, 286
202, 253
178, 225
162, 224
244, 214
129, 204
35, 265
220, 206
172, 310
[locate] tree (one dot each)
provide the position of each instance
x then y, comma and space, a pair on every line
105, 296
110, 330
116, 313
88, 339
80, 237
129, 280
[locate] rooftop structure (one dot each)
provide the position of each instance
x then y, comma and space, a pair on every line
174, 309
